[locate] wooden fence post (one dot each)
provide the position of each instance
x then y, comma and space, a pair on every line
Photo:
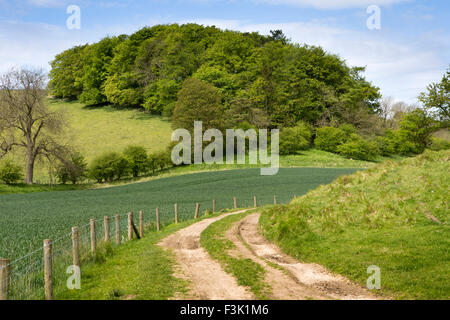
254, 201
106, 225
274, 199
5, 274
130, 226
75, 247
235, 202
176, 212
48, 277
141, 223
214, 205
93, 237
157, 219
117, 228
197, 209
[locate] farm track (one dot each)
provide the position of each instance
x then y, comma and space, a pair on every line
289, 279
207, 279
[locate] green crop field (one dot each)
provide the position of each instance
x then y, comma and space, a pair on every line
27, 219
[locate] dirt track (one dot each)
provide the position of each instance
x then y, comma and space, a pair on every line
288, 278
206, 276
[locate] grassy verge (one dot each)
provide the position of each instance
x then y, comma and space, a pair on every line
394, 216
138, 269
247, 272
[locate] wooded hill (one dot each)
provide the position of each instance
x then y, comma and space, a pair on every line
267, 79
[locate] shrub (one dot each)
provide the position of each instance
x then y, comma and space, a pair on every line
137, 158
415, 131
438, 144
356, 147
108, 167
10, 173
329, 138
73, 170
295, 139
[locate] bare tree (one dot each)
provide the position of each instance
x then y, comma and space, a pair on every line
25, 121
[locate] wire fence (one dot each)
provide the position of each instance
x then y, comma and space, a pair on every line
24, 278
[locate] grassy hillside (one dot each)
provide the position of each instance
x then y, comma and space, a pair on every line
94, 130
36, 216
395, 216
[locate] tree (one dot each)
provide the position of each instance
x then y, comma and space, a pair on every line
437, 99
25, 121
198, 101
109, 166
137, 158
415, 131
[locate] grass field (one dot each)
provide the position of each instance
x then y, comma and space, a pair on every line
36, 216
395, 216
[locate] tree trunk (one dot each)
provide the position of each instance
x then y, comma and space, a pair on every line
30, 167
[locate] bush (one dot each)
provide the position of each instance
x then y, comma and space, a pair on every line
137, 158
73, 170
329, 138
415, 132
295, 139
108, 167
356, 147
10, 173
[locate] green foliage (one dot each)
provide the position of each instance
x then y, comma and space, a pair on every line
10, 173
295, 139
137, 159
286, 81
415, 131
437, 99
73, 170
356, 147
329, 138
200, 101
108, 167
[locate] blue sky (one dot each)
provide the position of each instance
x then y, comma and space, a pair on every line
411, 49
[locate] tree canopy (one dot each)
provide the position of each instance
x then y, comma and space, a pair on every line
284, 81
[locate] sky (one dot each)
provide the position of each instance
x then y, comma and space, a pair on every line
409, 50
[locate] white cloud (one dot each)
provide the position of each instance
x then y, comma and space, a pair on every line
331, 4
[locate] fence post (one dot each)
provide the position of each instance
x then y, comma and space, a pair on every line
214, 205
157, 219
235, 202
5, 273
48, 277
141, 223
274, 199
176, 212
254, 201
75, 247
117, 228
106, 225
93, 237
130, 227
197, 209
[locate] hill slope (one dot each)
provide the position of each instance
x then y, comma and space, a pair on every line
394, 216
